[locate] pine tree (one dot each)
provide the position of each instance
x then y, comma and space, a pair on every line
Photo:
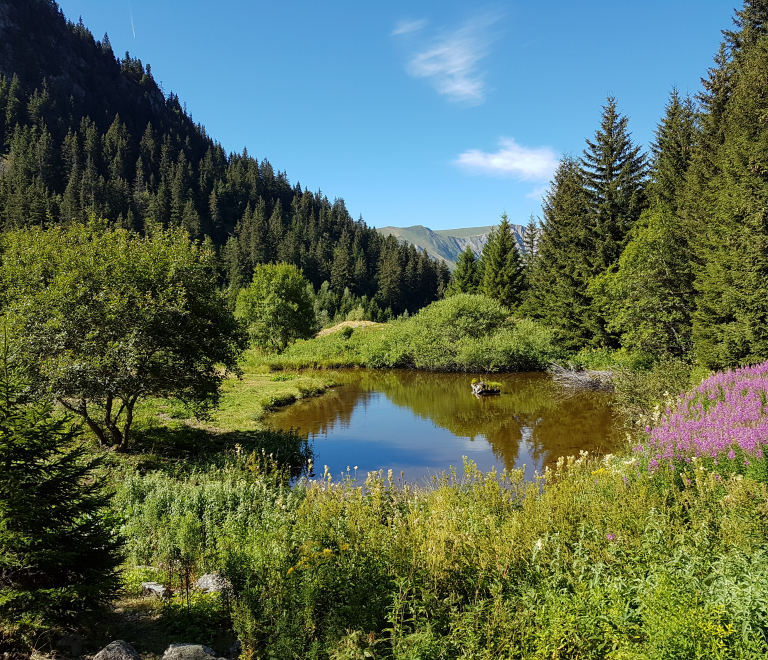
530, 241
562, 270
503, 278
614, 172
731, 320
58, 553
465, 278
649, 298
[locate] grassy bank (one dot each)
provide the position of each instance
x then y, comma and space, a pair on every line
627, 556
461, 333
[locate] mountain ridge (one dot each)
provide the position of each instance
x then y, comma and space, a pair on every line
447, 244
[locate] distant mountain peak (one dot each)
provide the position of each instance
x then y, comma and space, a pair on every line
447, 244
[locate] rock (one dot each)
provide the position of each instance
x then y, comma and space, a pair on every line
188, 652
117, 650
71, 645
155, 589
234, 650
213, 583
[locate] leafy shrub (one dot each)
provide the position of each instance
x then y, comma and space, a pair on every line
462, 333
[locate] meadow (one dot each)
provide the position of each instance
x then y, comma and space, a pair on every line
624, 556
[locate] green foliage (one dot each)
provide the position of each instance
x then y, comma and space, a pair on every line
560, 274
639, 391
731, 321
466, 277
502, 269
104, 317
276, 307
649, 297
463, 332
614, 171
594, 561
58, 549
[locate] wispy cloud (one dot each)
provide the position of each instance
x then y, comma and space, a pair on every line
450, 61
511, 160
537, 192
404, 27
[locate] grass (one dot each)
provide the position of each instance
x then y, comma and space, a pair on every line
461, 333
599, 559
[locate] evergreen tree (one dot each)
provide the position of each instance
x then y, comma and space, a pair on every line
530, 241
465, 278
614, 172
561, 272
649, 298
731, 320
58, 553
503, 278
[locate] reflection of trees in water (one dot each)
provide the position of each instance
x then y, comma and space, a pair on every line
321, 415
530, 410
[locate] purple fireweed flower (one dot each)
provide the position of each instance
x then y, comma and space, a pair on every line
728, 411
610, 536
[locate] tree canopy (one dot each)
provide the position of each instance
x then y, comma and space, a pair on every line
277, 306
103, 317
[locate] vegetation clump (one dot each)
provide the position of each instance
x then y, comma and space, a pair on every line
59, 547
464, 332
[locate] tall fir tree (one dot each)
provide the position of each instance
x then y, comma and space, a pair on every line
731, 320
561, 272
466, 276
503, 277
649, 297
614, 171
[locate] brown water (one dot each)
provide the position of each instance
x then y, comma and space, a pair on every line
423, 423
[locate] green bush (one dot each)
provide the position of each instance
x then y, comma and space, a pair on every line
461, 333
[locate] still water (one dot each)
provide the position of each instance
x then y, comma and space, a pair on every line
422, 423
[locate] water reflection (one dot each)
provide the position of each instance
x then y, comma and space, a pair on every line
423, 423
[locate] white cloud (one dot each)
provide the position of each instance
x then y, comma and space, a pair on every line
537, 192
450, 61
511, 160
404, 27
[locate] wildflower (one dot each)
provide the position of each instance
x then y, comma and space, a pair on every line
610, 536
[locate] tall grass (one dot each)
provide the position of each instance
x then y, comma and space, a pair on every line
598, 559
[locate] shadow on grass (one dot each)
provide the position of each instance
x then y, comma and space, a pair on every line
180, 447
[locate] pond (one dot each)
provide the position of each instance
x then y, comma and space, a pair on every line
422, 423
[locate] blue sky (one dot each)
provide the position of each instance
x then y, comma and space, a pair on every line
441, 114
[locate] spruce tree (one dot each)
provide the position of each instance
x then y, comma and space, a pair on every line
561, 272
465, 278
614, 172
503, 278
58, 552
649, 298
731, 320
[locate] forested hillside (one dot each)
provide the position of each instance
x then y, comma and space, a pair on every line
84, 132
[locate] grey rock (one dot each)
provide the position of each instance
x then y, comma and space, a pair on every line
235, 649
188, 652
155, 589
71, 645
212, 583
117, 650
